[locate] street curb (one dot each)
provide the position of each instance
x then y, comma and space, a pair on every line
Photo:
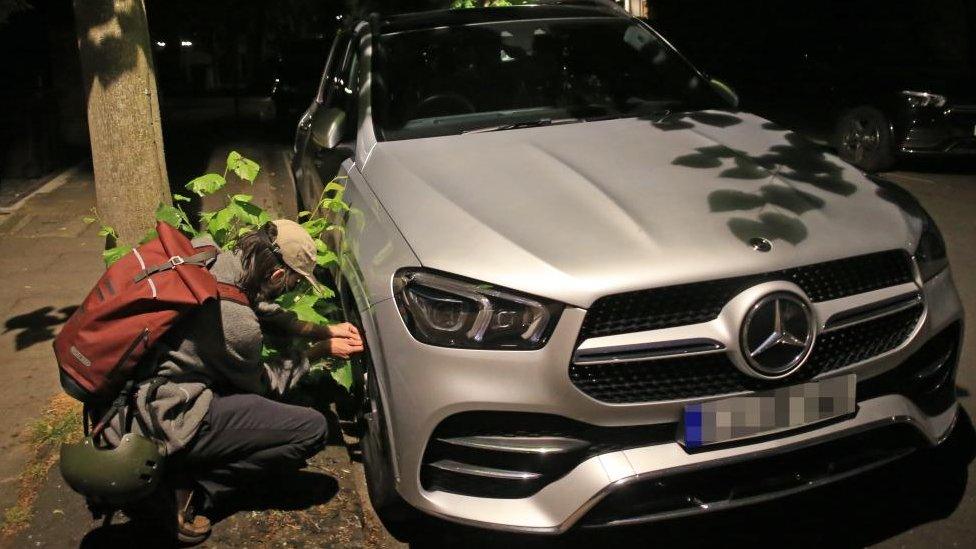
46, 188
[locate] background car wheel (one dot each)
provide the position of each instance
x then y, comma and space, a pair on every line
863, 138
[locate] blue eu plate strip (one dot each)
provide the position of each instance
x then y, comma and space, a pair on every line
693, 425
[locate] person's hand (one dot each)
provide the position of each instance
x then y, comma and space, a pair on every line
339, 347
345, 330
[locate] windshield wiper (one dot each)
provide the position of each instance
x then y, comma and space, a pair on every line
520, 125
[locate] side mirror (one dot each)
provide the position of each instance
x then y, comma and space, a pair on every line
726, 91
328, 127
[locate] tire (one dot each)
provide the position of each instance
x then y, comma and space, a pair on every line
863, 138
399, 517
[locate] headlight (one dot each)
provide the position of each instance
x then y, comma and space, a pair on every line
449, 312
917, 99
931, 251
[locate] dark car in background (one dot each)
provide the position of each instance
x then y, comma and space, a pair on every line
875, 127
899, 82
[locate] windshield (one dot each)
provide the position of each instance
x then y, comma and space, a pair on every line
451, 80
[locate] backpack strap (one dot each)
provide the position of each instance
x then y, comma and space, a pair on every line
200, 259
230, 292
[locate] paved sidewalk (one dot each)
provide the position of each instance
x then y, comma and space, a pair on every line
48, 260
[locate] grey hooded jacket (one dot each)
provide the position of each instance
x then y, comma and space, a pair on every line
216, 347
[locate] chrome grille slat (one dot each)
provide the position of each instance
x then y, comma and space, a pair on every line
521, 445
482, 471
868, 313
651, 351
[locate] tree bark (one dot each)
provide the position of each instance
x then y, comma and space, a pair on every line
123, 114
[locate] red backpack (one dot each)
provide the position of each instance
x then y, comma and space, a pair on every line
136, 301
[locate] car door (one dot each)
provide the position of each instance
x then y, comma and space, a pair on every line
312, 162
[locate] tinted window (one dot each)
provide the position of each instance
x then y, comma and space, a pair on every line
449, 80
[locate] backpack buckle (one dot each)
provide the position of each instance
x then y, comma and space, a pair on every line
176, 260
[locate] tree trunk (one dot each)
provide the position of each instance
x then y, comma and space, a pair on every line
123, 114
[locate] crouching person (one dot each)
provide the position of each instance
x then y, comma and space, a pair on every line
211, 398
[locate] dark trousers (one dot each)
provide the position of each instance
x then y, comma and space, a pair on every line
247, 438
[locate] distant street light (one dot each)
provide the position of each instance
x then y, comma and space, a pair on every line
186, 43
161, 44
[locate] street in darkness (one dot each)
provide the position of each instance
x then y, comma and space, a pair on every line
499, 272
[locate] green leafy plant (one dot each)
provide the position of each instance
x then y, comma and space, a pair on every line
464, 4
240, 216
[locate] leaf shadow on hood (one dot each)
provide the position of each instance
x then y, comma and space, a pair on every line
788, 167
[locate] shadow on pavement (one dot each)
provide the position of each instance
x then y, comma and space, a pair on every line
283, 492
925, 486
37, 326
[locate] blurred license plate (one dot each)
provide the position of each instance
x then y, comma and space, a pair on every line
767, 412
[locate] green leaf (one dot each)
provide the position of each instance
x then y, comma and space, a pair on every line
219, 225
186, 225
245, 168
326, 259
316, 226
324, 255
108, 232
180, 198
242, 198
111, 255
343, 375
207, 184
169, 214
251, 214
304, 214
232, 159
325, 306
89, 219
151, 235
334, 186
304, 308
335, 205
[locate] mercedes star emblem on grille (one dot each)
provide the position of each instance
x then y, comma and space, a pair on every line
777, 334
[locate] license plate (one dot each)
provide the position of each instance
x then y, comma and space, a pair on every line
737, 418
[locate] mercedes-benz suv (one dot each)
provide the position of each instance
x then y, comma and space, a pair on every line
593, 292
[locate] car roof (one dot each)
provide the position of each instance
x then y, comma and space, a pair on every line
540, 9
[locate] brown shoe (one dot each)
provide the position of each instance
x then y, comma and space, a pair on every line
191, 528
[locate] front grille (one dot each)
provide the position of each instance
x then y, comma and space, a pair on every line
702, 301
714, 374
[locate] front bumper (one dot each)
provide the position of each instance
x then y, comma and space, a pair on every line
951, 132
431, 384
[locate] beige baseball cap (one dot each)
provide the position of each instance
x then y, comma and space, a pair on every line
297, 249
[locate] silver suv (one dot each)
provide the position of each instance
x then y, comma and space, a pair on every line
594, 292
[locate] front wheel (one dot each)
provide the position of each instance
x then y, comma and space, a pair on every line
863, 137
397, 515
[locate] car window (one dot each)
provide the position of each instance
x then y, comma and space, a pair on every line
452, 79
334, 65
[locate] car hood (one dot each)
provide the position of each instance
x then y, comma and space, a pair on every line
577, 211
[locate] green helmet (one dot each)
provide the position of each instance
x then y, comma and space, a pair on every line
115, 476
